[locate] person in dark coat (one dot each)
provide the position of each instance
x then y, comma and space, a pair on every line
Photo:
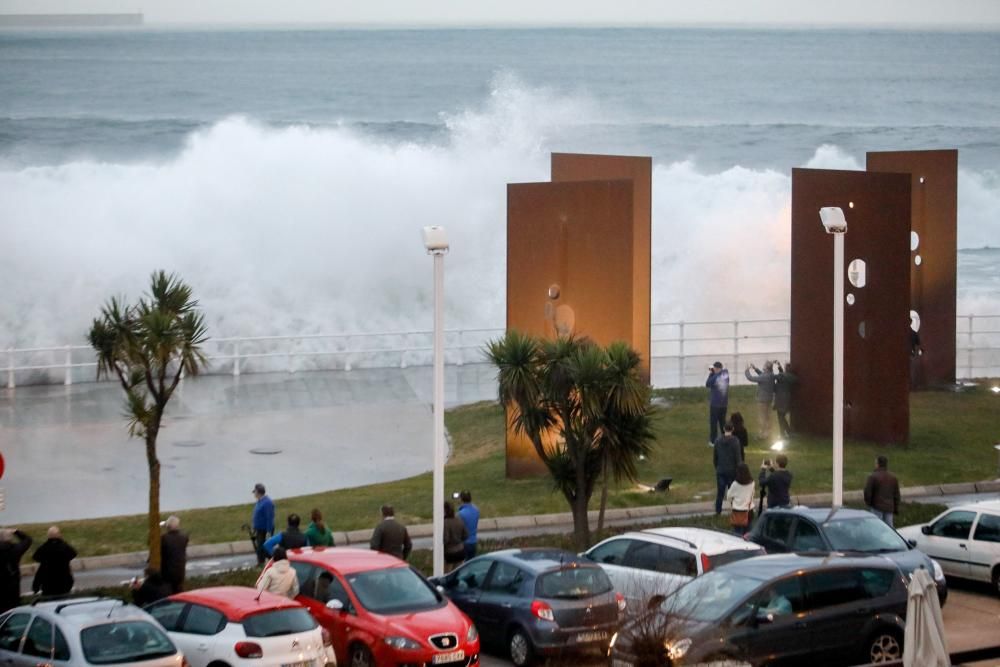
173, 555
290, 538
882, 491
455, 535
776, 483
390, 536
740, 431
718, 399
151, 589
784, 381
10, 566
726, 457
54, 576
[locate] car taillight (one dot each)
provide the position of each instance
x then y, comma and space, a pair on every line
620, 599
248, 650
184, 662
706, 564
542, 610
327, 639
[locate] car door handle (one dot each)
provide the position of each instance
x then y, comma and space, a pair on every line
506, 605
963, 546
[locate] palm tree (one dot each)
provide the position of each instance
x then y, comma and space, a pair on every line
583, 407
148, 347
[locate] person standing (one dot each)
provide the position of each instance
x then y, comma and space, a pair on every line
10, 566
718, 399
764, 380
290, 538
726, 458
173, 555
150, 589
882, 491
740, 497
740, 431
784, 381
776, 484
318, 534
390, 536
455, 534
280, 578
54, 576
470, 517
262, 521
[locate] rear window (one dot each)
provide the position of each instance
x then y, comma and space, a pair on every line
278, 622
718, 560
124, 642
573, 582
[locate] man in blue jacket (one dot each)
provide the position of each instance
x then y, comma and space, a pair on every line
262, 522
470, 517
718, 402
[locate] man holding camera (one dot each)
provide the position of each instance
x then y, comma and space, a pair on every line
775, 483
765, 396
718, 400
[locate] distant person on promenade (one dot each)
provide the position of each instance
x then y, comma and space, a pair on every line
150, 589
54, 575
262, 521
776, 484
318, 534
916, 351
740, 431
290, 538
10, 566
390, 536
764, 380
784, 381
280, 578
455, 534
740, 497
173, 555
718, 399
725, 458
882, 491
470, 517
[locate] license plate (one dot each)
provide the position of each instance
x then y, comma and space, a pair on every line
588, 637
302, 663
454, 656
621, 663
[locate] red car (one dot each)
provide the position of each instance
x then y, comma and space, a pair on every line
380, 611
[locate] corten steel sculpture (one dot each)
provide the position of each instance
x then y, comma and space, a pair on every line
876, 368
578, 261
934, 244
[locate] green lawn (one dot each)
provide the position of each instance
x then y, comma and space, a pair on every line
951, 440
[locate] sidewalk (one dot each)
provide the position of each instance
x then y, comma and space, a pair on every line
519, 524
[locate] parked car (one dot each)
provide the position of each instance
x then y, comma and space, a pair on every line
85, 631
234, 625
785, 609
655, 562
849, 531
380, 611
965, 540
536, 601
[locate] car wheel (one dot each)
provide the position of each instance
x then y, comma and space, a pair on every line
519, 647
885, 646
361, 656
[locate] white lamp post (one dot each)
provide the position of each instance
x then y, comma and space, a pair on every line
834, 222
436, 242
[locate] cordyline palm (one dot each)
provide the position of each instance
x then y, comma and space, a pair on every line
148, 346
583, 407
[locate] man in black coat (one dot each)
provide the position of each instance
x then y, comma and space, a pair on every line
54, 576
390, 536
173, 555
10, 566
726, 456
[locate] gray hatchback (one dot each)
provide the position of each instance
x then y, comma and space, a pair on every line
536, 601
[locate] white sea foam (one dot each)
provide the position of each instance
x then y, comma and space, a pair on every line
304, 230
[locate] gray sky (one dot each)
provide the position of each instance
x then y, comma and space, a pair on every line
939, 13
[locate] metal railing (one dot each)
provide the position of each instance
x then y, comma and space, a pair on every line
679, 351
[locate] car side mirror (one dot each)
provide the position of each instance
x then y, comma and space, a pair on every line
335, 605
926, 530
440, 589
763, 618
912, 543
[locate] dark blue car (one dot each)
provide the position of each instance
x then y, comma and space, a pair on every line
533, 602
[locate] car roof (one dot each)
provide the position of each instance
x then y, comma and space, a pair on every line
81, 612
706, 540
981, 506
346, 560
824, 514
236, 602
541, 559
777, 565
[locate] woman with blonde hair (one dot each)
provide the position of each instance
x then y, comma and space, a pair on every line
740, 497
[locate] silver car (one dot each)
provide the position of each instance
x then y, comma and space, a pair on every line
85, 631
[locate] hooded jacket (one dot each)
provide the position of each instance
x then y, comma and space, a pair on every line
279, 579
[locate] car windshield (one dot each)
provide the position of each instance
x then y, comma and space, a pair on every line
279, 622
868, 534
574, 582
394, 590
124, 642
710, 596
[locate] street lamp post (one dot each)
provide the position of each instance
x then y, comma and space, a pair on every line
436, 242
834, 222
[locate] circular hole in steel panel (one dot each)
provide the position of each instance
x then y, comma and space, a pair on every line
850, 299
918, 260
862, 329
915, 320
914, 240
857, 273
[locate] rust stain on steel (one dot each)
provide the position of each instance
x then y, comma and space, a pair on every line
876, 365
933, 283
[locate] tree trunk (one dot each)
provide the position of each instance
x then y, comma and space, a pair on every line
604, 498
581, 525
153, 519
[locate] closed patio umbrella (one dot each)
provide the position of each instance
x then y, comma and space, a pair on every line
924, 643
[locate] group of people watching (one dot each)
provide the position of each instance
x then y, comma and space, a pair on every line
53, 576
774, 392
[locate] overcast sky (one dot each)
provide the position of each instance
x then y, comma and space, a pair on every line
940, 13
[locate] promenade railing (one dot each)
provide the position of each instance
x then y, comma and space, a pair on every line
680, 351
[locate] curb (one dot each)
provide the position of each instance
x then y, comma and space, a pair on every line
137, 559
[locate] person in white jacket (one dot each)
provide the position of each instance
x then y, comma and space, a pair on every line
740, 496
280, 578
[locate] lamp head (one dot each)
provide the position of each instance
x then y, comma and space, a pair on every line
833, 219
435, 240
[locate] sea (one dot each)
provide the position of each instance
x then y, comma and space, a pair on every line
286, 173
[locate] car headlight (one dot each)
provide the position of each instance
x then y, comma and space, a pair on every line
677, 649
402, 643
473, 634
938, 572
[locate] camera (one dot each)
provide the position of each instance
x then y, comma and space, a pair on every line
456, 495
766, 463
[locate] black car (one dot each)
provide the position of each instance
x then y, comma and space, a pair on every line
847, 531
536, 601
775, 610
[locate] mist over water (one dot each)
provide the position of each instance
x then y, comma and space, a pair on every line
312, 226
